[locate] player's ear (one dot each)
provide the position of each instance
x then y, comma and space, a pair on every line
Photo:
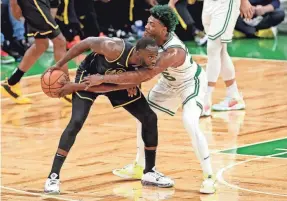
164, 31
138, 53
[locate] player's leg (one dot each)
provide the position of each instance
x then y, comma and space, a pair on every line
191, 114
209, 21
193, 98
135, 169
160, 101
141, 110
213, 71
80, 111
233, 100
11, 87
42, 26
59, 45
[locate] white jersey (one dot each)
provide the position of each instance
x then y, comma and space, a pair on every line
178, 77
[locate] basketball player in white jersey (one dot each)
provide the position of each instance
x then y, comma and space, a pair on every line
183, 82
219, 18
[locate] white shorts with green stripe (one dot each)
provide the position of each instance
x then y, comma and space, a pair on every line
163, 98
219, 18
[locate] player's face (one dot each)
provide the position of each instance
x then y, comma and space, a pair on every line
148, 56
154, 28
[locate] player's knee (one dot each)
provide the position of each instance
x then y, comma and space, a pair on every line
149, 125
60, 42
213, 47
76, 125
150, 118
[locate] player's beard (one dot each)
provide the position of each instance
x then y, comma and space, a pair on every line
143, 63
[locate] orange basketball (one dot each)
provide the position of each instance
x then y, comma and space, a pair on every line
50, 82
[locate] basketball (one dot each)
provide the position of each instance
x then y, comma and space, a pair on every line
50, 82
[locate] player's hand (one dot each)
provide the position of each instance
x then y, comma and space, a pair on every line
246, 9
93, 80
132, 91
56, 67
67, 89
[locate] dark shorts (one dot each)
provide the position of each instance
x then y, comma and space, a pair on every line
40, 22
117, 98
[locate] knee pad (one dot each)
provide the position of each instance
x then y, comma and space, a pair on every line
149, 129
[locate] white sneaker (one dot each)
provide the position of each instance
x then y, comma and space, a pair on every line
229, 104
52, 186
208, 186
156, 178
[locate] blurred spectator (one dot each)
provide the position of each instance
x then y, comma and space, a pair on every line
88, 17
267, 16
15, 43
5, 57
68, 21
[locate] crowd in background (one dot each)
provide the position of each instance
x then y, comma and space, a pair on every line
79, 19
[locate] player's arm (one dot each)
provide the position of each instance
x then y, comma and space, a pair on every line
16, 10
108, 47
72, 87
172, 57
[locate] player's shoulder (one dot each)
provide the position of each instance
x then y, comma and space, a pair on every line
115, 44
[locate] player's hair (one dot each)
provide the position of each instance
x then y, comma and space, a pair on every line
144, 42
165, 15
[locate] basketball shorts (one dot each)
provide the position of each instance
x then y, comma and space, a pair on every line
219, 18
40, 23
166, 99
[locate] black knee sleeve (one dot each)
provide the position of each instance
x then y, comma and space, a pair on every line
69, 135
149, 129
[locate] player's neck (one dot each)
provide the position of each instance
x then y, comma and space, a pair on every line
162, 40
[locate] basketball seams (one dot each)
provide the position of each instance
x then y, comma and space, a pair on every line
48, 88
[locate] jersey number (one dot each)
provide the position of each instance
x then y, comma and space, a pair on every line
167, 76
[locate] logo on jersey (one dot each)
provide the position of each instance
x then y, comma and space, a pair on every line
113, 71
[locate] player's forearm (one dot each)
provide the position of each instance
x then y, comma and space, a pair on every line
108, 88
101, 88
132, 77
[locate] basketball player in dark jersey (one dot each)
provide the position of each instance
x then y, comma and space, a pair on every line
42, 26
110, 56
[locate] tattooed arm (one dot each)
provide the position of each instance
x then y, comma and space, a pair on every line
72, 87
171, 57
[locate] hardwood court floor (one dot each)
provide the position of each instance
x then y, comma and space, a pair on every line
30, 136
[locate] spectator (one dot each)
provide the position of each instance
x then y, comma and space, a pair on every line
5, 57
267, 16
17, 42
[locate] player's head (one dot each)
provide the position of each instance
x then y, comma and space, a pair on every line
162, 21
146, 51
